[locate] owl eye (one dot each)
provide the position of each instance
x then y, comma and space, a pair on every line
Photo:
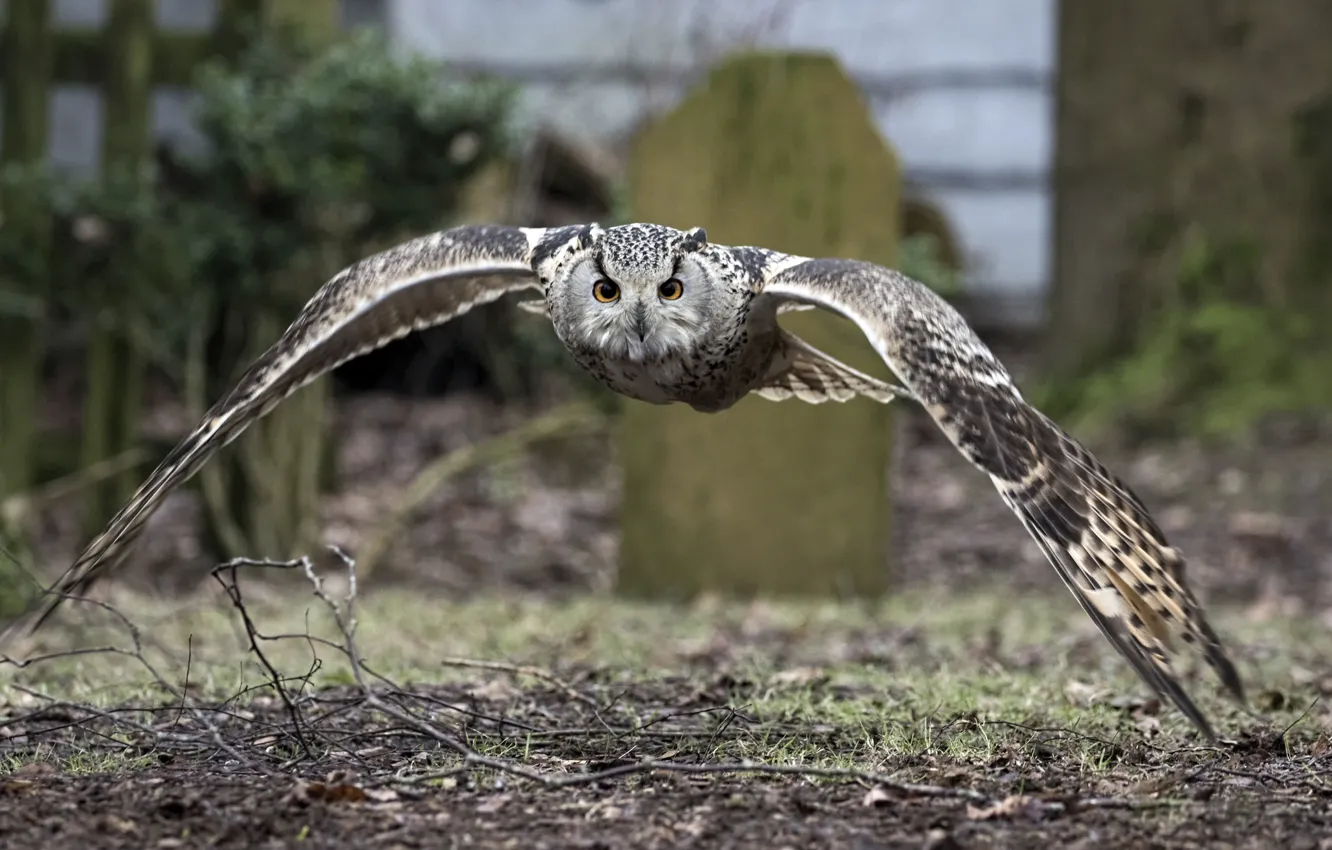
671, 289
605, 291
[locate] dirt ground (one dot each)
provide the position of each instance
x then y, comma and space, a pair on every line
757, 731
1249, 794
165, 808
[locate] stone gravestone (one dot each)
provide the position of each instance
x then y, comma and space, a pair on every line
769, 497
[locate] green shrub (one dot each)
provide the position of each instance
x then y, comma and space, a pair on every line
313, 158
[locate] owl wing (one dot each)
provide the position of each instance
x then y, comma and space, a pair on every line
803, 372
1090, 526
423, 282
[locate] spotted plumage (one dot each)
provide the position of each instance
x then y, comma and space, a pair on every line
664, 316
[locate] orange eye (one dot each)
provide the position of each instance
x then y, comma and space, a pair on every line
605, 291
671, 289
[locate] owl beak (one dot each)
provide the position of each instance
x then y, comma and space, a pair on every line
640, 327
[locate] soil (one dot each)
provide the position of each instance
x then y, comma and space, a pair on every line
164, 808
356, 790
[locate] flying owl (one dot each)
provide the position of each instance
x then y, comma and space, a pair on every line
664, 316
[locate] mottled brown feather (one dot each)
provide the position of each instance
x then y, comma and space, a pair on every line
1094, 531
383, 297
801, 371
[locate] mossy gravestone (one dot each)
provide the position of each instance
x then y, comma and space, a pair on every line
768, 497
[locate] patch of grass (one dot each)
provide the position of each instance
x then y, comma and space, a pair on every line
983, 681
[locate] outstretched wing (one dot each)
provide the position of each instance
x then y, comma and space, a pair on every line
1091, 527
801, 371
420, 283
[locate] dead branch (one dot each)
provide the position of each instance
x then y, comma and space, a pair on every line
178, 697
523, 670
233, 591
19, 505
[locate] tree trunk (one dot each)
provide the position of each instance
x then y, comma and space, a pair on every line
27, 52
115, 366
263, 494
1191, 171
25, 63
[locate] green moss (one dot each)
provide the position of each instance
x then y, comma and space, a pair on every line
1212, 358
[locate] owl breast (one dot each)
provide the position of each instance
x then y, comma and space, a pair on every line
709, 378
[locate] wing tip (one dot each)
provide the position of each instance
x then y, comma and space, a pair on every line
1226, 672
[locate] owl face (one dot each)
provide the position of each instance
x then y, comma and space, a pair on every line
636, 293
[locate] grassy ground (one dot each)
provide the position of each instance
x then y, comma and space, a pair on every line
1019, 719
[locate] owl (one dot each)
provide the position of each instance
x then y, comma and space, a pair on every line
666, 317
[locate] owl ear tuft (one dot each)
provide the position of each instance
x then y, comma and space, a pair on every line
694, 239
590, 236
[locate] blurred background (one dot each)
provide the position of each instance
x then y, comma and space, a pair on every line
1131, 201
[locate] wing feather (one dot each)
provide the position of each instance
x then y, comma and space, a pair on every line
803, 372
1091, 527
422, 282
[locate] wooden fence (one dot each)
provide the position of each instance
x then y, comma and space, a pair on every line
127, 59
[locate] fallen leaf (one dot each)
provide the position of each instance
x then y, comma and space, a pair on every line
605, 812
114, 823
876, 797
308, 792
800, 676
1083, 694
344, 793
1160, 784
1015, 806
494, 690
939, 839
493, 804
1321, 747
1148, 724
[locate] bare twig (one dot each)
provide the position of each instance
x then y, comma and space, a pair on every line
523, 670
233, 591
66, 485
199, 715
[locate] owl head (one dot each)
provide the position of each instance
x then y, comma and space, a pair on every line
641, 293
